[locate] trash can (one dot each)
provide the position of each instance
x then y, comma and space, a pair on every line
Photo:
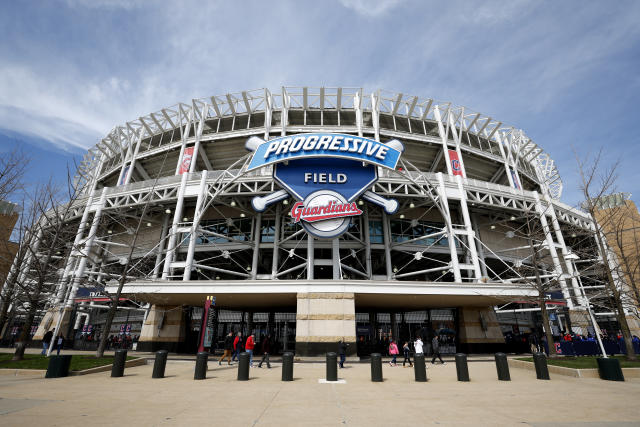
117, 369
609, 369
58, 366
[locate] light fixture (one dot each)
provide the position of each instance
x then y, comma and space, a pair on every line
574, 235
412, 205
148, 224
493, 227
401, 216
217, 277
395, 269
242, 215
233, 203
285, 202
248, 268
167, 211
185, 219
360, 202
109, 231
292, 252
418, 256
513, 218
510, 234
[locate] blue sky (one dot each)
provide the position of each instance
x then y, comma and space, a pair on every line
565, 72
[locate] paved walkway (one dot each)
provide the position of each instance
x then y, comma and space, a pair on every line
136, 399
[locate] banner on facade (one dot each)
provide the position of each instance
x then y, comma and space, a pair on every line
125, 173
185, 164
456, 167
514, 177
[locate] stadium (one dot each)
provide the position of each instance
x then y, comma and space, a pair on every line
315, 215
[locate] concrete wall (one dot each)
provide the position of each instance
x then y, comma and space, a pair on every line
164, 329
479, 330
323, 319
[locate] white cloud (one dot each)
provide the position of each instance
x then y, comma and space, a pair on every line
106, 4
510, 60
370, 7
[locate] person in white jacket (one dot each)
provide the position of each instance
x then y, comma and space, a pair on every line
417, 345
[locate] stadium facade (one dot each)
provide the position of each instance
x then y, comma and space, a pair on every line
420, 198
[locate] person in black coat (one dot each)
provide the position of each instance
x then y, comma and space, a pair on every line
46, 340
265, 346
342, 350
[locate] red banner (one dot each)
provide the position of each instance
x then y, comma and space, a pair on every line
456, 167
185, 164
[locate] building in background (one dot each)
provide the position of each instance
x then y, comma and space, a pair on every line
429, 248
9, 213
619, 219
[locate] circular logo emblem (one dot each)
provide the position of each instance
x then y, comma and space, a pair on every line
325, 213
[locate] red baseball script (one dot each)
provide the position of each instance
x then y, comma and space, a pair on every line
320, 213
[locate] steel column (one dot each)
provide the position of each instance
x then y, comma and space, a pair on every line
186, 275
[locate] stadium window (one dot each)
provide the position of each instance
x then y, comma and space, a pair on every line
376, 234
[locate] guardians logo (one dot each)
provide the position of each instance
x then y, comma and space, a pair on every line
326, 173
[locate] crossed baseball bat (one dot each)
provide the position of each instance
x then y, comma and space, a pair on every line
260, 203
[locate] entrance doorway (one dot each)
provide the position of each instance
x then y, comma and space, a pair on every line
375, 329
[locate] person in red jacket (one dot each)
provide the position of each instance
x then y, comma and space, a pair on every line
237, 346
248, 347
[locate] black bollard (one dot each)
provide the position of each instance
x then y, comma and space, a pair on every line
376, 367
540, 362
419, 368
58, 366
117, 369
243, 366
462, 369
609, 369
503, 367
160, 364
332, 366
201, 366
287, 367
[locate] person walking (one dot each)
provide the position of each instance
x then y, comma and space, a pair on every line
249, 346
417, 345
228, 348
393, 351
406, 350
59, 342
435, 346
237, 346
46, 340
265, 347
342, 350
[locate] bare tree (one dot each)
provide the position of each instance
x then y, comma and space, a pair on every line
51, 226
596, 182
12, 168
534, 267
16, 263
621, 227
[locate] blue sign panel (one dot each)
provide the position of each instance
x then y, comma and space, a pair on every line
326, 172
305, 176
332, 145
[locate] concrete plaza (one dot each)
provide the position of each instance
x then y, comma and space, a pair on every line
137, 399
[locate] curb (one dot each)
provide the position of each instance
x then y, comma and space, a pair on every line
570, 372
128, 364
